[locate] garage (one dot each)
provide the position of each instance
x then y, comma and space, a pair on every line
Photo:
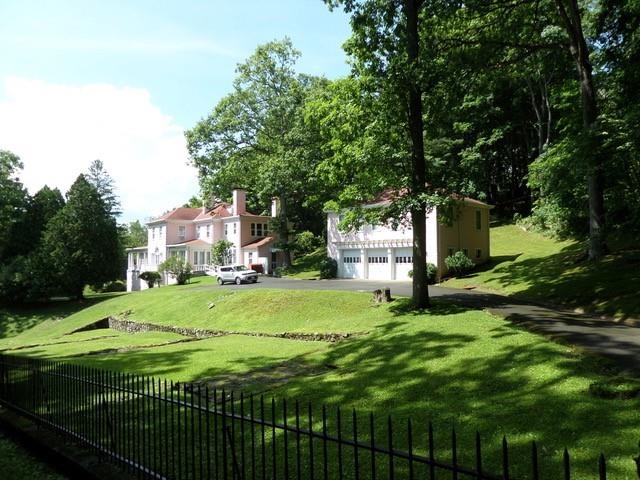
378, 264
403, 258
350, 264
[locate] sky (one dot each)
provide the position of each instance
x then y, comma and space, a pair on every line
121, 80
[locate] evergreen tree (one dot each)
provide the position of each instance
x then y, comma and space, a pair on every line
103, 183
82, 241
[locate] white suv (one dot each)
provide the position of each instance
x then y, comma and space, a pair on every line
237, 274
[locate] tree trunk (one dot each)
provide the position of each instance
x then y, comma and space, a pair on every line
570, 15
418, 180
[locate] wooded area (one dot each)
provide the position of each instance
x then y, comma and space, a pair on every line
529, 105
525, 104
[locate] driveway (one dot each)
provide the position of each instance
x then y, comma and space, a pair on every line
619, 341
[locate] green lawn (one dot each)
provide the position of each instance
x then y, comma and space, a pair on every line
531, 266
452, 366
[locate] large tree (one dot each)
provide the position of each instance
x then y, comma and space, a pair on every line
386, 47
81, 241
255, 138
13, 203
104, 184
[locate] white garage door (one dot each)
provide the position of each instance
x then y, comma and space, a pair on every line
378, 264
404, 262
350, 264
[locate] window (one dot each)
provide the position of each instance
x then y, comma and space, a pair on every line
265, 227
404, 259
226, 229
351, 260
379, 259
465, 251
234, 228
201, 258
208, 258
153, 233
195, 258
259, 230
182, 232
478, 253
449, 251
253, 229
208, 231
478, 220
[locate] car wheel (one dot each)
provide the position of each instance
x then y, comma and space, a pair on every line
220, 281
255, 280
238, 280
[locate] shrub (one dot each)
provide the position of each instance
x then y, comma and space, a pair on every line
113, 286
306, 242
432, 273
279, 271
328, 268
458, 263
178, 267
152, 278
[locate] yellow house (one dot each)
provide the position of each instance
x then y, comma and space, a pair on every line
378, 252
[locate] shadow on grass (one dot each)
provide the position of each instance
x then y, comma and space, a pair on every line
567, 278
525, 388
15, 319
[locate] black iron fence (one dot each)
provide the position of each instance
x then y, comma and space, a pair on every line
164, 430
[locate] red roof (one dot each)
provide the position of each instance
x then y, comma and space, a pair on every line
182, 213
259, 243
388, 195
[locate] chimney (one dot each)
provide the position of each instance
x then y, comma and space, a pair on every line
239, 201
275, 207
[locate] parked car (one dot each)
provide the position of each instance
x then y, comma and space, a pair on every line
237, 274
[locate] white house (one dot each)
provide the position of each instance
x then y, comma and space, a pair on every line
377, 252
191, 233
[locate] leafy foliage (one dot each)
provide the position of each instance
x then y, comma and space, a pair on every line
328, 268
458, 263
221, 252
306, 242
152, 278
81, 242
177, 267
135, 235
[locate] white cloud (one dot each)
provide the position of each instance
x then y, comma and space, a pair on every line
58, 130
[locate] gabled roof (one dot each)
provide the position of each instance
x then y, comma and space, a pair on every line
220, 211
259, 243
182, 213
387, 196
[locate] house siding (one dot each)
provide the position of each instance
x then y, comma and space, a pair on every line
381, 253
164, 239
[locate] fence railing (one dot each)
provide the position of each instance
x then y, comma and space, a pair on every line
164, 430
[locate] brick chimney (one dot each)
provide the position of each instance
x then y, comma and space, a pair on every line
239, 201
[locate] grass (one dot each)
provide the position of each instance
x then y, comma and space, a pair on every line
531, 266
16, 462
452, 366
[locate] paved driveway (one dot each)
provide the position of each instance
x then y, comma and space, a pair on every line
619, 341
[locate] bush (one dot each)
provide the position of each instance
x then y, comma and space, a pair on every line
432, 273
152, 278
113, 286
328, 268
279, 271
458, 263
178, 267
306, 242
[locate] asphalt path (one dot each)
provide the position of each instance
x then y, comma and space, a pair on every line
617, 340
